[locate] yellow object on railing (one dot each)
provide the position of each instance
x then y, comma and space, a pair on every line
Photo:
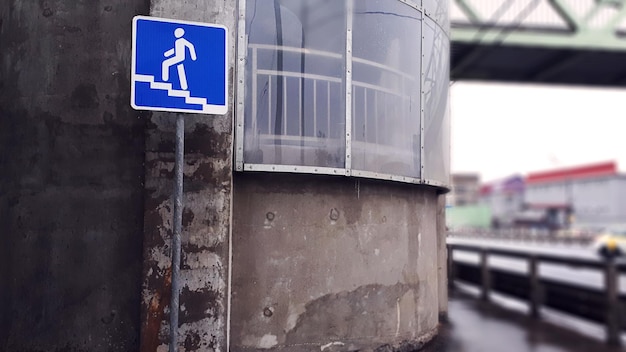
611, 244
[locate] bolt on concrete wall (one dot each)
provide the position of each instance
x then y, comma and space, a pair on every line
70, 177
206, 213
332, 263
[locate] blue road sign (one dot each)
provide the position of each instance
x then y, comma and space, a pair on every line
179, 66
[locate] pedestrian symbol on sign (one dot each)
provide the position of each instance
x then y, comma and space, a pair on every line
179, 56
179, 66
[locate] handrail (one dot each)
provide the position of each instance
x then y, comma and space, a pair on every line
611, 269
523, 235
543, 257
329, 54
321, 115
294, 49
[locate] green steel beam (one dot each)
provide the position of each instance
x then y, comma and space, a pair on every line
591, 40
469, 11
563, 10
577, 34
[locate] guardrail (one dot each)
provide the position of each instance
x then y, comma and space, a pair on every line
539, 291
532, 236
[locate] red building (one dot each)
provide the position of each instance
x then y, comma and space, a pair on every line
589, 196
594, 194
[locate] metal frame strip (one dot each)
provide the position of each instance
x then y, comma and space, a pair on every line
241, 87
397, 178
389, 177
295, 169
348, 95
422, 100
255, 87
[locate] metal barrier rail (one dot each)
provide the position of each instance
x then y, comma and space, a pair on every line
582, 238
534, 289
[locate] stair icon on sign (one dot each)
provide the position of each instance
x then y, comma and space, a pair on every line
173, 92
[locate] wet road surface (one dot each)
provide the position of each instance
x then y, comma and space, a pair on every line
475, 326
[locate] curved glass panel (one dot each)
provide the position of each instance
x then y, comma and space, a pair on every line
295, 79
295, 111
386, 88
436, 106
438, 10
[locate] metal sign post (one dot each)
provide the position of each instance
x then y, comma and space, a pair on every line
177, 224
178, 66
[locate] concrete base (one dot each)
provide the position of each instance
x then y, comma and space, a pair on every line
331, 263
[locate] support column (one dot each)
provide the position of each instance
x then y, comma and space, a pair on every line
206, 215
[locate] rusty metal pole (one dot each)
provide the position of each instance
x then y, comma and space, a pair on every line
535, 286
613, 317
485, 277
177, 224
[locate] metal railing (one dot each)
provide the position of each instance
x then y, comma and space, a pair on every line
275, 75
539, 291
582, 238
323, 112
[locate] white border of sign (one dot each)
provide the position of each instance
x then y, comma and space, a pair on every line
212, 109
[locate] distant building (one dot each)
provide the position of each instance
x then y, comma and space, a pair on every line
584, 197
465, 189
505, 198
590, 196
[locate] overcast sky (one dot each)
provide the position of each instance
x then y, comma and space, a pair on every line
499, 130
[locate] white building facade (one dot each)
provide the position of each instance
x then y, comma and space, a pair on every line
596, 194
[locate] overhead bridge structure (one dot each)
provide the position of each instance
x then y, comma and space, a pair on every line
539, 41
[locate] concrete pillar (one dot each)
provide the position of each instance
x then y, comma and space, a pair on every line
322, 261
71, 173
207, 209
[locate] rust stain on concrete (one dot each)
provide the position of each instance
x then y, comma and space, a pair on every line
155, 312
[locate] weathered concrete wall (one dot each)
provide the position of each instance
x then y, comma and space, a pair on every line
85, 187
332, 263
206, 214
71, 193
